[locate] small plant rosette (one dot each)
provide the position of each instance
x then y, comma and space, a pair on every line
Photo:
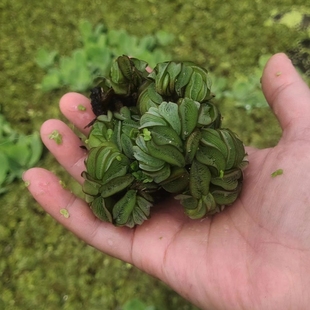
157, 134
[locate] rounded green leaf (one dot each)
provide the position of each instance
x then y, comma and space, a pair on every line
199, 179
159, 175
225, 197
197, 213
102, 209
192, 145
167, 153
116, 185
211, 137
177, 181
209, 115
91, 188
188, 113
163, 135
147, 159
229, 180
151, 120
169, 111
211, 157
124, 207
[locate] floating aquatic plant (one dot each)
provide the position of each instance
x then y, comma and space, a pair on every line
155, 134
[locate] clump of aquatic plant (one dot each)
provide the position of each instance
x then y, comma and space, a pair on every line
157, 134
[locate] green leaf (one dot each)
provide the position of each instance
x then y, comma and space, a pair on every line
18, 153
5, 167
177, 181
192, 145
188, 201
229, 180
123, 209
169, 111
36, 148
86, 31
102, 208
224, 197
157, 176
197, 213
211, 157
209, 114
150, 120
147, 43
147, 158
199, 181
91, 188
44, 58
188, 112
51, 81
167, 153
164, 38
116, 169
199, 86
116, 185
211, 137
163, 135
99, 30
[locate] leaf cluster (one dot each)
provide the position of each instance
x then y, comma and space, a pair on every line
99, 47
17, 153
245, 92
156, 134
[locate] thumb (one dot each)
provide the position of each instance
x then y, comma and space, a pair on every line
288, 96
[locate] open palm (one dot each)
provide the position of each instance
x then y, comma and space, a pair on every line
253, 255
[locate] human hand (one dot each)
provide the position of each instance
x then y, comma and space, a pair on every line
253, 255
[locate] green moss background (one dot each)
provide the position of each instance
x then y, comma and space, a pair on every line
42, 266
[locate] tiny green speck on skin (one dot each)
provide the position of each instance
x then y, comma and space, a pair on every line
81, 107
56, 136
62, 183
65, 213
27, 183
277, 172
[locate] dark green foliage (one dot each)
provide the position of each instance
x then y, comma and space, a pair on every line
204, 168
42, 266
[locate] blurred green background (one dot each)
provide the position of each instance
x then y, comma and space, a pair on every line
42, 266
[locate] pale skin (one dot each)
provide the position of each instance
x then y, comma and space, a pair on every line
253, 255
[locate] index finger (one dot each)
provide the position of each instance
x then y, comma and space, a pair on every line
77, 109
